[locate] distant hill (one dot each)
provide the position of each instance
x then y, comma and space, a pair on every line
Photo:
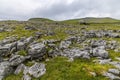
92, 20
77, 21
40, 19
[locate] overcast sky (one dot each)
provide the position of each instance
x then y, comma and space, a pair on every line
58, 9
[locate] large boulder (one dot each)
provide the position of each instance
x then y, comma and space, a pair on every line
5, 69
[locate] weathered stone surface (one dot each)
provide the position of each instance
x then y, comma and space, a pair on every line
114, 71
7, 49
37, 70
21, 45
16, 60
76, 53
100, 52
7, 40
30, 28
20, 68
97, 43
111, 76
29, 40
37, 50
5, 69
65, 44
27, 77
104, 61
115, 63
90, 34
115, 35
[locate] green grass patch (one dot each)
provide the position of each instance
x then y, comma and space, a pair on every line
60, 69
22, 53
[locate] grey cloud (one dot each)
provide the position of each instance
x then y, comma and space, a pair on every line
58, 9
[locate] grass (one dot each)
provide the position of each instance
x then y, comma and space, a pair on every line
14, 77
60, 69
19, 32
22, 53
113, 54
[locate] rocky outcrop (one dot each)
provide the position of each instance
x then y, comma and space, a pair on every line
86, 47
